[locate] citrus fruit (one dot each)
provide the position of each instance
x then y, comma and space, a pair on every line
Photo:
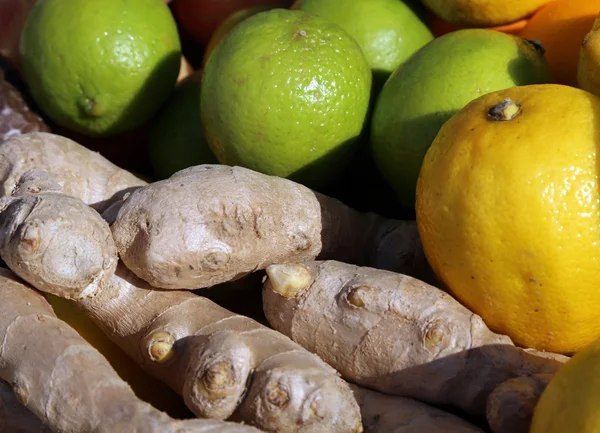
570, 401
200, 18
388, 31
229, 24
507, 209
286, 93
440, 27
483, 13
561, 26
100, 67
588, 64
419, 9
436, 82
175, 138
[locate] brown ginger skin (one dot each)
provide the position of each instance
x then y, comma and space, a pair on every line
511, 405
209, 355
75, 265
67, 383
222, 209
204, 352
16, 418
395, 334
79, 171
15, 116
385, 413
210, 224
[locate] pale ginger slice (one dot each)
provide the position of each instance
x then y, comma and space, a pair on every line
79, 171
510, 406
67, 383
210, 224
391, 414
16, 418
224, 365
395, 334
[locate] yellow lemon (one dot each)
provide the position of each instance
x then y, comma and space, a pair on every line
570, 402
483, 13
508, 211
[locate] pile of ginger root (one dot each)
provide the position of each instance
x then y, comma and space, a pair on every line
353, 336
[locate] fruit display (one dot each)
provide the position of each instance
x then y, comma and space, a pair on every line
560, 26
117, 85
320, 78
388, 31
556, 225
435, 83
201, 18
309, 216
483, 13
177, 124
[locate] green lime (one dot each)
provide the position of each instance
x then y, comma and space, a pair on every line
229, 24
286, 93
436, 82
175, 138
100, 67
388, 31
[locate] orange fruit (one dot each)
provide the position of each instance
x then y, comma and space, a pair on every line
440, 27
200, 18
561, 26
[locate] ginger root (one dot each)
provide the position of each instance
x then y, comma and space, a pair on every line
510, 406
15, 116
146, 387
395, 334
79, 171
16, 418
59, 245
210, 224
384, 414
224, 365
65, 382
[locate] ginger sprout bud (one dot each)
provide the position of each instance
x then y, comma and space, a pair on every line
288, 279
160, 346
